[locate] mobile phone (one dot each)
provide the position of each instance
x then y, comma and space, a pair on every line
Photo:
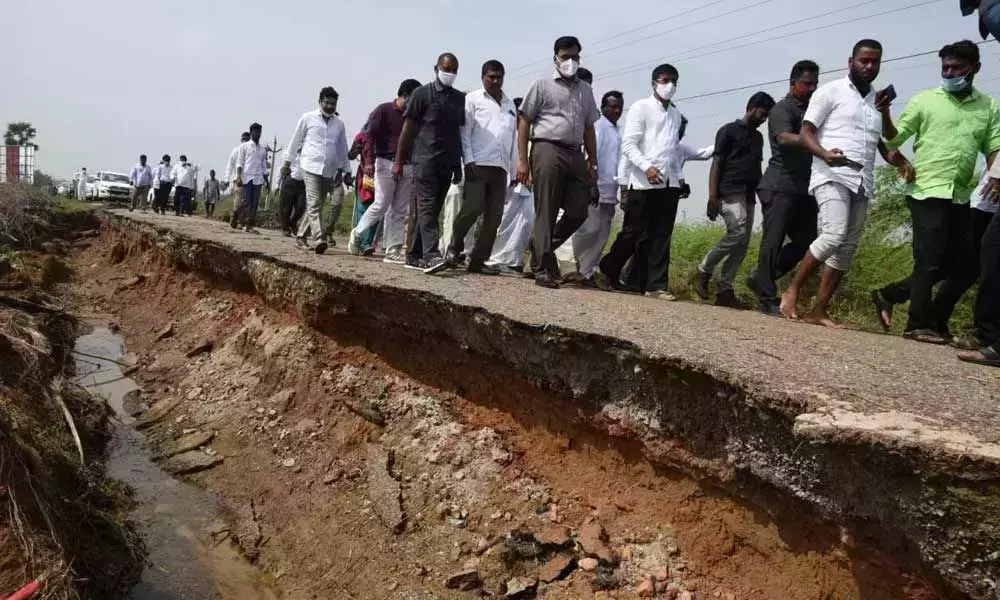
889, 92
853, 164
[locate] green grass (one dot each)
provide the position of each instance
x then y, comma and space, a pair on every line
268, 218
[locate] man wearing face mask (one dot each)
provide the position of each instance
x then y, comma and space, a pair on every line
841, 129
320, 139
952, 125
434, 115
392, 197
557, 117
652, 132
732, 183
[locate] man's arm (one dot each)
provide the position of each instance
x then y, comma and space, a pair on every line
523, 137
634, 129
896, 134
465, 131
781, 129
590, 145
714, 175
295, 145
405, 142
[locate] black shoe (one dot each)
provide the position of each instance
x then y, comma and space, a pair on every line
769, 308
574, 278
546, 281
415, 263
757, 289
436, 265
701, 284
483, 269
728, 299
321, 247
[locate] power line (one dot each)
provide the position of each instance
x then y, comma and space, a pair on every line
628, 31
679, 27
645, 66
785, 79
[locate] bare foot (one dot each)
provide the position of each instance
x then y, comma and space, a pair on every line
886, 318
822, 321
789, 305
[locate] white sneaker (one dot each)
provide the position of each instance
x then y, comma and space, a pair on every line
353, 244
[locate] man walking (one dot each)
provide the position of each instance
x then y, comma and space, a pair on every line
590, 239
211, 193
557, 117
293, 199
987, 312
392, 197
251, 166
952, 125
789, 209
489, 140
163, 181
431, 130
320, 139
652, 132
142, 180
732, 184
81, 185
230, 178
842, 130
185, 176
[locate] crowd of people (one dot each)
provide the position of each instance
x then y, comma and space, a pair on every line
551, 169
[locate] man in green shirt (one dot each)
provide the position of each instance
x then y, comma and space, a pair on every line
952, 125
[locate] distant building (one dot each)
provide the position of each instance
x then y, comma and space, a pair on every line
17, 163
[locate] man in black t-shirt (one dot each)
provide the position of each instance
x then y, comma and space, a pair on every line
732, 184
789, 210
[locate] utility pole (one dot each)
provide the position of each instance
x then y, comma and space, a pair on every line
272, 151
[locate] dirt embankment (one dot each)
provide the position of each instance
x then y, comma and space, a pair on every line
63, 522
362, 461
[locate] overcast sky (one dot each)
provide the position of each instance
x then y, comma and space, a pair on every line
106, 80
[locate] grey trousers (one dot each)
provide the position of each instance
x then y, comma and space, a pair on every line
317, 188
738, 214
485, 191
560, 181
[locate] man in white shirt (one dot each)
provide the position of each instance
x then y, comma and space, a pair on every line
81, 185
320, 139
842, 129
142, 180
589, 240
251, 167
489, 137
230, 176
163, 181
185, 176
652, 131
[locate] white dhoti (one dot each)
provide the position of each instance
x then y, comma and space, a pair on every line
452, 204
514, 233
589, 240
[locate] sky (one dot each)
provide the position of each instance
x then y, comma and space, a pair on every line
106, 80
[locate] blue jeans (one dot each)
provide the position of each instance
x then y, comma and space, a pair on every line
247, 209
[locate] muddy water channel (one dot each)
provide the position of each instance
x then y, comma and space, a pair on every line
190, 556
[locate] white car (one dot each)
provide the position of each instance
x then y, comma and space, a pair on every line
109, 186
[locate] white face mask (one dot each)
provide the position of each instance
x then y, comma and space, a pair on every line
666, 91
569, 67
447, 79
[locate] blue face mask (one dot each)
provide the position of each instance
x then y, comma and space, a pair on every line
954, 84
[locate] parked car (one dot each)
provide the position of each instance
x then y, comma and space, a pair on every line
109, 186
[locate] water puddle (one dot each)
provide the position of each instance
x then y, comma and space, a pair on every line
177, 520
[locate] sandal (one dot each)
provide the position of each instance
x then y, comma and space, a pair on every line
986, 356
882, 306
967, 343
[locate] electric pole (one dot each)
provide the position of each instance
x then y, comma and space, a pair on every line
272, 151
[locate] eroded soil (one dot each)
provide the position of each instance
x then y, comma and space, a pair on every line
362, 463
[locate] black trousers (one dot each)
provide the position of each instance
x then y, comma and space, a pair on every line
160, 197
645, 238
485, 193
430, 187
182, 200
786, 216
987, 315
560, 181
293, 204
944, 248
